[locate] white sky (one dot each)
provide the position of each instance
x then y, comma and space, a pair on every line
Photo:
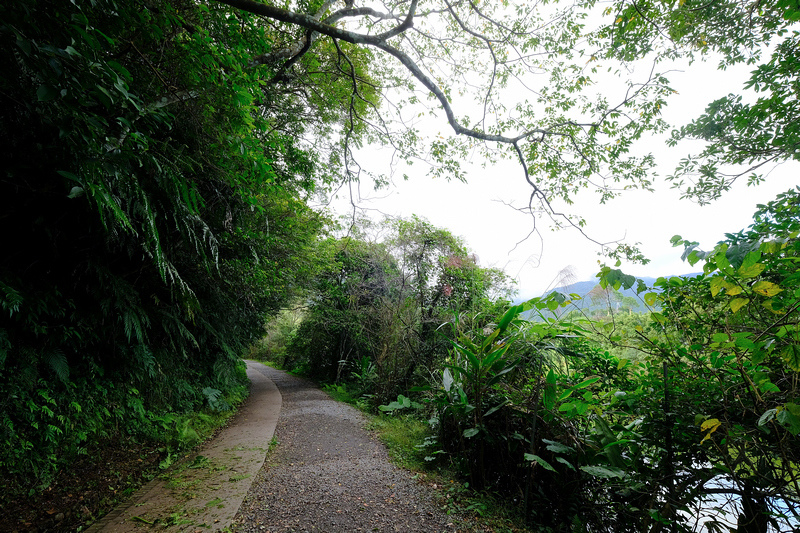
476, 212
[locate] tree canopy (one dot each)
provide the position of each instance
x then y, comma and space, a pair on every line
569, 89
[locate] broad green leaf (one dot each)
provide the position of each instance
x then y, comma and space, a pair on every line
544, 464
490, 339
585, 383
710, 424
564, 395
565, 462
789, 419
766, 288
557, 447
471, 358
650, 298
496, 407
771, 247
45, 93
721, 258
751, 271
765, 385
509, 316
738, 303
604, 471
717, 284
720, 337
471, 432
745, 343
733, 290
497, 377
791, 356
68, 175
616, 443
769, 305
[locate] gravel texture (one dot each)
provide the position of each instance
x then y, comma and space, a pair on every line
327, 473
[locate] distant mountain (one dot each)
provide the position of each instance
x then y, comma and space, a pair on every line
582, 288
626, 299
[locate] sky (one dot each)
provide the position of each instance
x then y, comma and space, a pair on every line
478, 211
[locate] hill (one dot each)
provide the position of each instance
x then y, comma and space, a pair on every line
594, 299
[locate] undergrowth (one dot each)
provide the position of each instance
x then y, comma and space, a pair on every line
111, 470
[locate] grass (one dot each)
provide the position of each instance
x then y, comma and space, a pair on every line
402, 436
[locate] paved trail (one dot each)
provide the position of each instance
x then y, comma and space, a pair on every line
328, 474
205, 490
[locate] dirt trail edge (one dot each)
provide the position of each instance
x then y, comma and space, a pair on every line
329, 474
204, 492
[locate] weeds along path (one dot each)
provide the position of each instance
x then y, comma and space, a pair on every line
327, 473
203, 492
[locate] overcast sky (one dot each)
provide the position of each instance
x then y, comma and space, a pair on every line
478, 210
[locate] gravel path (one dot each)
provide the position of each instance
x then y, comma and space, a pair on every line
327, 473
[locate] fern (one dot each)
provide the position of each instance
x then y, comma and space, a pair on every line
57, 361
10, 299
5, 347
215, 399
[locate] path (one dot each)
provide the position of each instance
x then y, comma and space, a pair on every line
204, 492
328, 474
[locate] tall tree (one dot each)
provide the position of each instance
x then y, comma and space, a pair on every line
748, 131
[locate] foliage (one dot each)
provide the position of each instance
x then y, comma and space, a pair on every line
154, 217
747, 131
700, 425
375, 307
696, 422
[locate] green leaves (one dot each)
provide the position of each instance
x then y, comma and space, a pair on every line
751, 268
402, 403
538, 460
791, 356
708, 427
738, 303
615, 278
606, 472
766, 288
45, 93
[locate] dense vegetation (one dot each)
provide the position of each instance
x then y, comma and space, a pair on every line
159, 160
143, 180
